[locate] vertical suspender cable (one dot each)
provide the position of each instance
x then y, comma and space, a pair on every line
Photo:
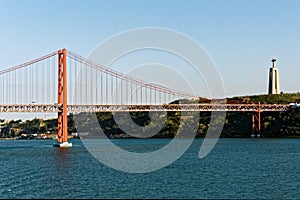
15, 76
48, 85
106, 88
136, 92
51, 81
111, 90
42, 91
36, 97
150, 90
141, 95
126, 101
146, 96
31, 85
9, 85
100, 84
75, 80
96, 86
80, 83
69, 79
7, 88
116, 91
21, 85
91, 85
101, 88
155, 93
131, 93
86, 83
2, 91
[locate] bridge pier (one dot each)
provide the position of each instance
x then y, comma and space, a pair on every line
62, 119
256, 123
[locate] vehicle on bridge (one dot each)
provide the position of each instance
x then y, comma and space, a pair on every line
294, 105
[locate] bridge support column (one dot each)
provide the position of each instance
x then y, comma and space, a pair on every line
62, 120
256, 123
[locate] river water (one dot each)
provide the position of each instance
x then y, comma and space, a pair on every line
235, 168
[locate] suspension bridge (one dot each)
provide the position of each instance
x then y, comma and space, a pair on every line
47, 85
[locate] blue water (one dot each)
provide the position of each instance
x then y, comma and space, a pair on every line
236, 168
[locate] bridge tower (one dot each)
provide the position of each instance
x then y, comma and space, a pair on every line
274, 79
62, 120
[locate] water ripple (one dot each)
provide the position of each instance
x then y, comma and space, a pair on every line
235, 169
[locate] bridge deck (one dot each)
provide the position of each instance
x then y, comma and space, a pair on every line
125, 108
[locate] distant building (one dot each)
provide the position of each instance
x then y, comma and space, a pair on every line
274, 79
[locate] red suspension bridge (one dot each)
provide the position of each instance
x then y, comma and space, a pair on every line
47, 85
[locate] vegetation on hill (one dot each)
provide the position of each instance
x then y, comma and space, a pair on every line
267, 99
236, 124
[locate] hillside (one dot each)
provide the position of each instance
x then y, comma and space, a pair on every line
267, 99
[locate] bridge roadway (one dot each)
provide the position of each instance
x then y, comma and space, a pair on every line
48, 108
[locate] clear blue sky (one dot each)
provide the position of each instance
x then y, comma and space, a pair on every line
241, 36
